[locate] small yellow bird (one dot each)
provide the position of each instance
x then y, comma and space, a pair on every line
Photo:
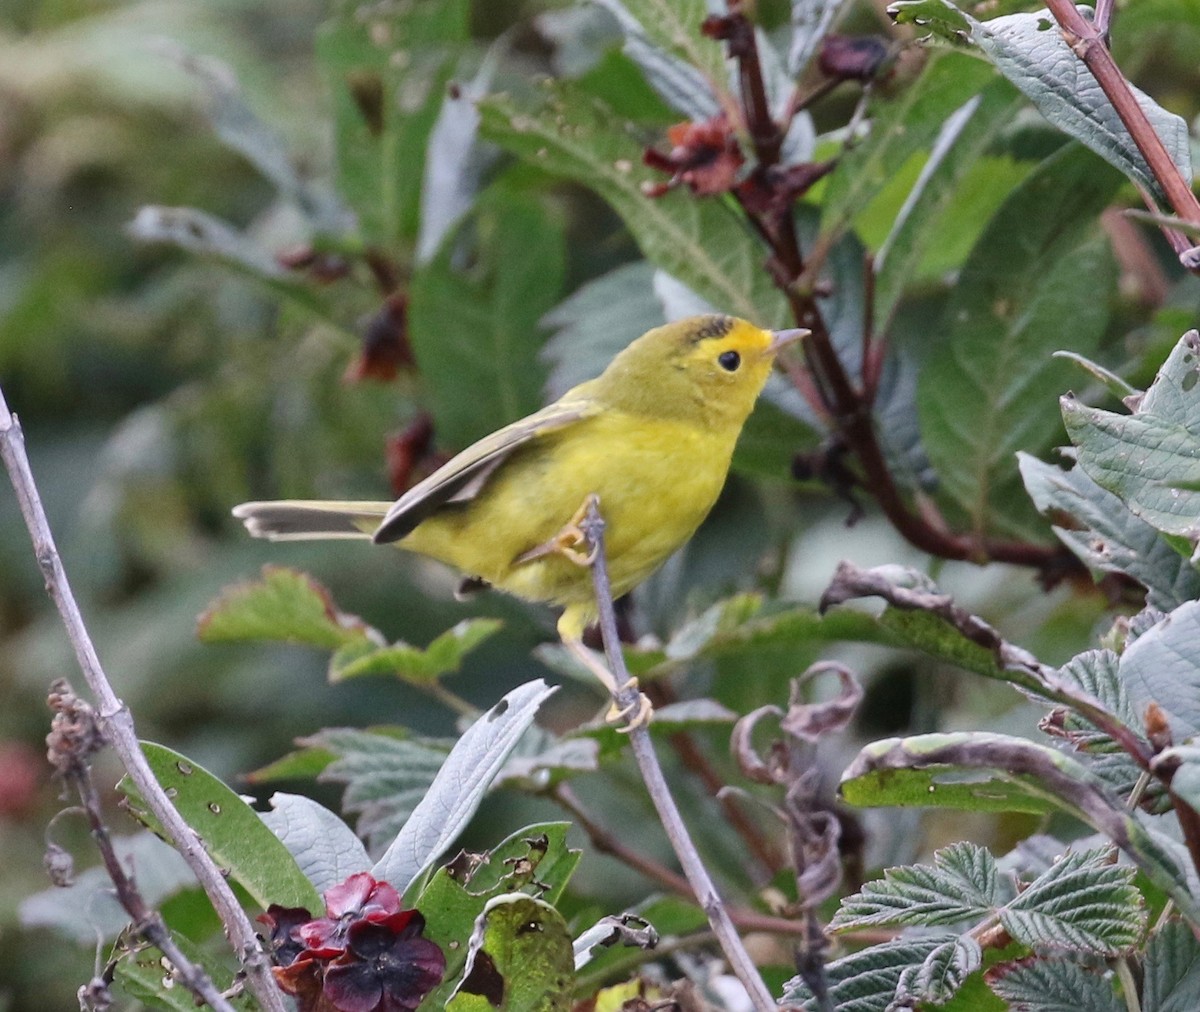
651, 437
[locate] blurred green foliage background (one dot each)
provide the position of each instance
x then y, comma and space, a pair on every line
158, 388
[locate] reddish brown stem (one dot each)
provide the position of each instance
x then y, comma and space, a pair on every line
848, 405
1087, 41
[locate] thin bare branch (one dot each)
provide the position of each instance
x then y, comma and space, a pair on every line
117, 722
75, 736
628, 698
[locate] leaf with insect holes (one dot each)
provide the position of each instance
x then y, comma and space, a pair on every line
519, 958
1105, 535
142, 974
231, 831
535, 859
285, 606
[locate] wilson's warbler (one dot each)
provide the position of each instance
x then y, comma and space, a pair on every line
652, 437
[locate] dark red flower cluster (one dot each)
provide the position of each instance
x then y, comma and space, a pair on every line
704, 156
365, 955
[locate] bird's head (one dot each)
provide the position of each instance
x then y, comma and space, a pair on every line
711, 368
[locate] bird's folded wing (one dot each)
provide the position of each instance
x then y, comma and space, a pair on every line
465, 475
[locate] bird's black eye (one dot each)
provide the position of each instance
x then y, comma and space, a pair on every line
729, 360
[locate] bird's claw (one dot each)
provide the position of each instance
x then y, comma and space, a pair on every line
567, 541
622, 714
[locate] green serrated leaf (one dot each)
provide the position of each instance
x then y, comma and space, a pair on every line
1149, 458
988, 389
961, 885
1029, 49
285, 605
1171, 970
1056, 986
416, 665
1081, 904
1163, 666
866, 981
976, 771
520, 959
478, 329
233, 834
1097, 673
386, 772
703, 243
941, 974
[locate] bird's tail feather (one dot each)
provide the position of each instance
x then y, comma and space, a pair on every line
311, 519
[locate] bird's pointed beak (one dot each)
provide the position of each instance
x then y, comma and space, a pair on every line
782, 338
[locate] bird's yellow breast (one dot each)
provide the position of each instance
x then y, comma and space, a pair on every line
656, 479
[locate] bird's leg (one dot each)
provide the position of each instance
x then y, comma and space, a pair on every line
642, 705
567, 541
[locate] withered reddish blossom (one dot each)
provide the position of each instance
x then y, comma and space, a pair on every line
704, 156
852, 57
409, 453
385, 348
365, 955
